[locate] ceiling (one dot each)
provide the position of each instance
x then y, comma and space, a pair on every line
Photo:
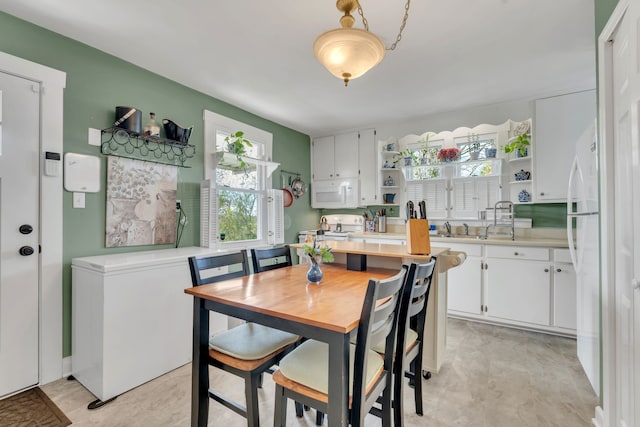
258, 55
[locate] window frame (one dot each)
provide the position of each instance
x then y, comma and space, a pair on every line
215, 123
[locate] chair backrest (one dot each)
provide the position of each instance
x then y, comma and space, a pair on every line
413, 309
236, 263
378, 322
277, 258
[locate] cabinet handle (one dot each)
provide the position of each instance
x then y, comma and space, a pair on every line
558, 270
337, 174
542, 193
546, 270
515, 253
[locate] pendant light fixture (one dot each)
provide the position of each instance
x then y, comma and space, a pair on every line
349, 52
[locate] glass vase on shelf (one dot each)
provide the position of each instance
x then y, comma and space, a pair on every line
151, 128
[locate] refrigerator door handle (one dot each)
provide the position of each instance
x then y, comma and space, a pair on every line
570, 237
575, 214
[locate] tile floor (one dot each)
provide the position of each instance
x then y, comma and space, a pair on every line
492, 377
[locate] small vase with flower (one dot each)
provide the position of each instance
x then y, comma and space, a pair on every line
317, 253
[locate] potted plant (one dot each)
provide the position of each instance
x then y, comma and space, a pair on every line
490, 151
409, 156
448, 154
518, 145
237, 144
473, 146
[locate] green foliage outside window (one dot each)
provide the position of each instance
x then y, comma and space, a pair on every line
237, 215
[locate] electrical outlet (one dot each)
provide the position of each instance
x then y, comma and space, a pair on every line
178, 205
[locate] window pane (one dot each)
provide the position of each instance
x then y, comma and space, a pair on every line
237, 215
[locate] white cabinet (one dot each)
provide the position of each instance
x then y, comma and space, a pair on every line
564, 290
334, 156
559, 122
368, 170
465, 282
518, 290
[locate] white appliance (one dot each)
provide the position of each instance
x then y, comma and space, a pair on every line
584, 248
334, 193
339, 228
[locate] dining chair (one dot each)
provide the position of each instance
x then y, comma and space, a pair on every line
247, 350
303, 373
411, 323
270, 259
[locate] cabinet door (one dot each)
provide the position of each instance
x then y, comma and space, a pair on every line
518, 290
367, 160
346, 155
559, 122
464, 287
564, 296
322, 158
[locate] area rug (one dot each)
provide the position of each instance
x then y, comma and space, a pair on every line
31, 408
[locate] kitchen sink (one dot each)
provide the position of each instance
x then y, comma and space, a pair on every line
461, 236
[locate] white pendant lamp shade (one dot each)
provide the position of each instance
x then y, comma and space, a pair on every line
348, 53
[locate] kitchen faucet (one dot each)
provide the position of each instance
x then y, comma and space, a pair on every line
447, 226
466, 228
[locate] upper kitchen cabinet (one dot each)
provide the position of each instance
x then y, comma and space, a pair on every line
368, 173
559, 122
332, 157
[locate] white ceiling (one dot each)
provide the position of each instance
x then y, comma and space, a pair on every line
257, 54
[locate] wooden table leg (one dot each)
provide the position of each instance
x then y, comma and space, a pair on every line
199, 365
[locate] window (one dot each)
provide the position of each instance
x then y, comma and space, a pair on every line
238, 207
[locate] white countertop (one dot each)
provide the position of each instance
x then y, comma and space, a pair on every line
505, 241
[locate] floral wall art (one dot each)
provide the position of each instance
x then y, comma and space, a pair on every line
141, 202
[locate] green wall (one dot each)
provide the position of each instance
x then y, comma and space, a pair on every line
96, 83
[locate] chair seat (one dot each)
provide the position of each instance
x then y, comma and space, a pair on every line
412, 337
308, 364
251, 341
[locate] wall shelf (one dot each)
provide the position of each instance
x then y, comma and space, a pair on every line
230, 161
123, 143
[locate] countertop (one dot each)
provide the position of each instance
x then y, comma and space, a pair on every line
505, 241
378, 249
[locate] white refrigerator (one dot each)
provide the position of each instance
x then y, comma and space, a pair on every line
584, 245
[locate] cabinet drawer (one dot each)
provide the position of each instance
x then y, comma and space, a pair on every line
469, 249
518, 252
561, 255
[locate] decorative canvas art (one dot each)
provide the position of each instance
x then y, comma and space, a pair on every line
141, 202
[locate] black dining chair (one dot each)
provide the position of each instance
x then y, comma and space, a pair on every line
372, 372
247, 350
271, 258
413, 316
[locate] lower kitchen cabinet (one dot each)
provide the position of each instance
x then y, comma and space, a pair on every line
526, 287
464, 287
518, 290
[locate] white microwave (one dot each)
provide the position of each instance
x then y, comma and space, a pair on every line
334, 193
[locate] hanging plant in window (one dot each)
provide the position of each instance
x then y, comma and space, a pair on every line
237, 144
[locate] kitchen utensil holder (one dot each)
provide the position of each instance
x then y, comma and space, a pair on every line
418, 241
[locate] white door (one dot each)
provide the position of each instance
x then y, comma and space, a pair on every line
625, 146
19, 232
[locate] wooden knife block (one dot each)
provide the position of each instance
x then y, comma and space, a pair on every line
418, 242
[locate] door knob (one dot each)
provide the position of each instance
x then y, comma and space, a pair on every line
558, 270
25, 229
26, 251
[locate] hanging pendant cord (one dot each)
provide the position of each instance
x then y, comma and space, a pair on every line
402, 25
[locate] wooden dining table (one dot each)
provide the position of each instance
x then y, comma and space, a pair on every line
283, 299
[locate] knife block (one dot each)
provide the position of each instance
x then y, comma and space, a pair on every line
418, 241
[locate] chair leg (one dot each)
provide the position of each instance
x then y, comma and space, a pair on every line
417, 391
389, 409
319, 418
251, 398
280, 408
299, 409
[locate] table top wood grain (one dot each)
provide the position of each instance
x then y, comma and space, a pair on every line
334, 304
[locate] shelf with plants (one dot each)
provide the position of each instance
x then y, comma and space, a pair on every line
123, 143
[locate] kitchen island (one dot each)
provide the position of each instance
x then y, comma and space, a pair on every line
394, 256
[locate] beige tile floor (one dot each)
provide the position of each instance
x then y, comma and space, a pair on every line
492, 377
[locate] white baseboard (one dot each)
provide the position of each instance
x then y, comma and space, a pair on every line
66, 366
598, 421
